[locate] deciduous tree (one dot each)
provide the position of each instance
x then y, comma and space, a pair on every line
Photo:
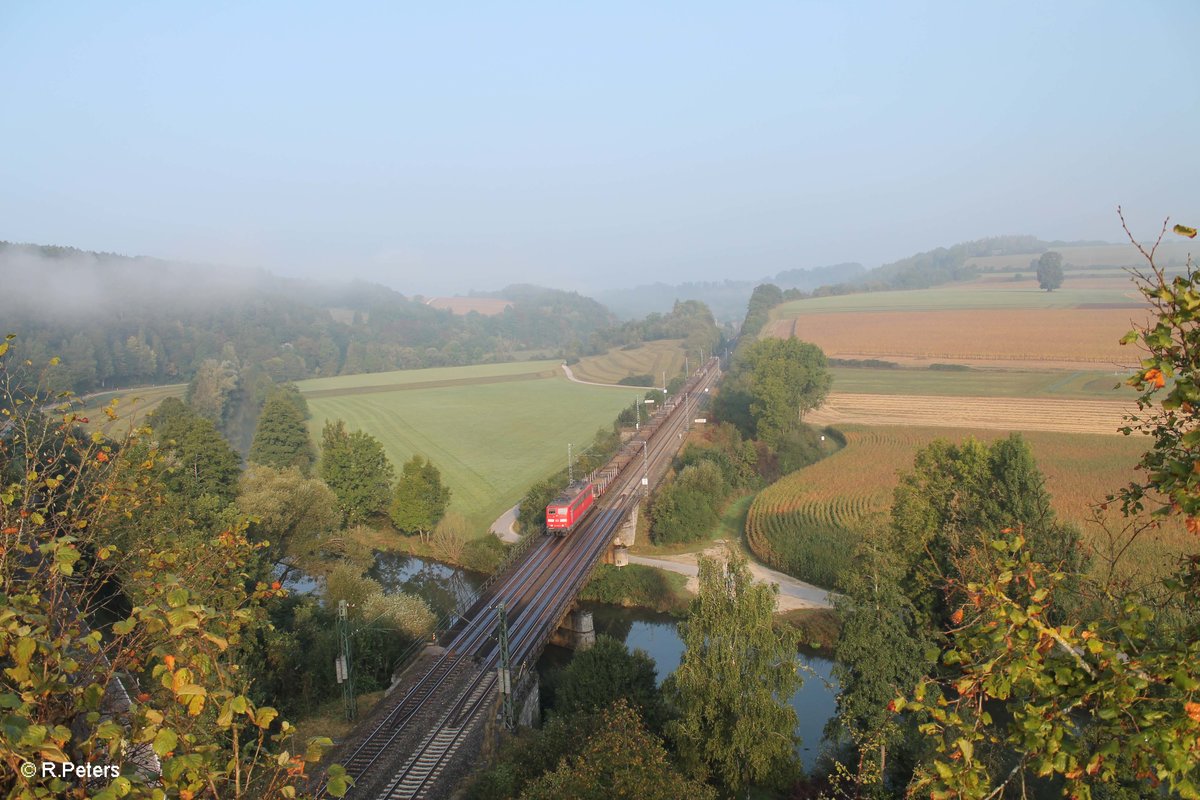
953, 500
1050, 271
622, 759
295, 514
733, 684
420, 499
355, 467
605, 673
177, 601
787, 378
1110, 703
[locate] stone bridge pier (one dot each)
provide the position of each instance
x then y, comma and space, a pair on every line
577, 632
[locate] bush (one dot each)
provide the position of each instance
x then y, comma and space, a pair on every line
688, 507
799, 448
637, 380
637, 585
873, 363
949, 367
484, 554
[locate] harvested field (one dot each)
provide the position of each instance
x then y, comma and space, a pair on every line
650, 358
133, 405
806, 522
1080, 335
991, 413
487, 306
1088, 256
984, 293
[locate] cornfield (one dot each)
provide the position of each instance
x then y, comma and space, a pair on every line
806, 523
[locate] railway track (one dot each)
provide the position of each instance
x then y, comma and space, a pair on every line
537, 594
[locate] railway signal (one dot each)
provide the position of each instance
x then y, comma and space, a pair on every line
342, 665
505, 673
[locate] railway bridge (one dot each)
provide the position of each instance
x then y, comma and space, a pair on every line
446, 709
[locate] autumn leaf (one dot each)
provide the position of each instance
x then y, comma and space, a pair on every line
1184, 230
1155, 377
957, 617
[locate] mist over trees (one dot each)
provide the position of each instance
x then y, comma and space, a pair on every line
117, 322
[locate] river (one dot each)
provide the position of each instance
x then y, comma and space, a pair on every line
658, 636
448, 589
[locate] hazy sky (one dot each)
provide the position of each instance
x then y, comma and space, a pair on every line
441, 146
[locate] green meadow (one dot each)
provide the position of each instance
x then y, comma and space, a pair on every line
1083, 384
490, 438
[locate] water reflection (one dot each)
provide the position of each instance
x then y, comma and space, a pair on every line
658, 636
447, 589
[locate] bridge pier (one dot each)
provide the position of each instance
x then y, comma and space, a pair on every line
618, 553
577, 631
528, 701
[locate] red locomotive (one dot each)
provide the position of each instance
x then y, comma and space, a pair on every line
569, 508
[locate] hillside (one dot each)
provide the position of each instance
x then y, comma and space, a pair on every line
117, 321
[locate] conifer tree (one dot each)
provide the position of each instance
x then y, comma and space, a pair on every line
281, 438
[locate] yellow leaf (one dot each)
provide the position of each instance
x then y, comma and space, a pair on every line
1184, 230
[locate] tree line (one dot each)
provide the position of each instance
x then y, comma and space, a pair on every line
171, 321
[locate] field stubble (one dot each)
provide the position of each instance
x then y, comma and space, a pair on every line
1025, 335
650, 358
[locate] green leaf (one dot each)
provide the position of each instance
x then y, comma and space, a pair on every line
165, 742
24, 651
265, 716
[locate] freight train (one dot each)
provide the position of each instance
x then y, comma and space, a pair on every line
567, 510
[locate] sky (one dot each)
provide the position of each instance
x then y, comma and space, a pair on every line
441, 147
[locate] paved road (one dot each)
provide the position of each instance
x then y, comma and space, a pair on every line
793, 593
571, 377
504, 524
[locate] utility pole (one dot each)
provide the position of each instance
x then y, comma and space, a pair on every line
637, 414
342, 665
570, 473
505, 674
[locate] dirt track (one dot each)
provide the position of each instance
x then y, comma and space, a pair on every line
994, 413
